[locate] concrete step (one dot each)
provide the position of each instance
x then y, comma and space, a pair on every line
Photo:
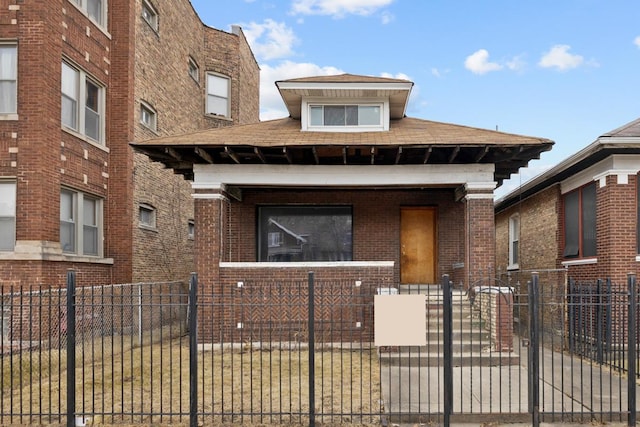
435, 359
459, 346
460, 335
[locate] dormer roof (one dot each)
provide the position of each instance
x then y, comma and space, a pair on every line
346, 86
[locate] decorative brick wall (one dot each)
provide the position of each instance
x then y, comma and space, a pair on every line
255, 302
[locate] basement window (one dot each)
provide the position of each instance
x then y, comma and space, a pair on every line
147, 216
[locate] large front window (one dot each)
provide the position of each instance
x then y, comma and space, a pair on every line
80, 223
82, 103
304, 233
580, 222
8, 78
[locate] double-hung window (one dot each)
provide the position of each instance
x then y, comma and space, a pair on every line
80, 223
218, 90
149, 14
580, 222
304, 233
148, 116
95, 9
8, 79
514, 241
147, 216
7, 215
83, 103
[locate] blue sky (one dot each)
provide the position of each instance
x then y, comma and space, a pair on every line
567, 70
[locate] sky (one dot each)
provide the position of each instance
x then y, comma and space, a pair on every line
566, 70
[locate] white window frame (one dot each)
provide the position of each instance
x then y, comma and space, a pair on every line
77, 222
213, 94
150, 14
310, 104
148, 116
80, 114
83, 5
8, 191
194, 69
151, 224
9, 78
191, 229
514, 241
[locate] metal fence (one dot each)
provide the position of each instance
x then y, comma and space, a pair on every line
301, 352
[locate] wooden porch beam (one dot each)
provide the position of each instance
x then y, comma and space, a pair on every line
454, 153
232, 154
398, 155
373, 155
202, 153
287, 154
482, 153
173, 153
260, 155
427, 154
344, 154
314, 150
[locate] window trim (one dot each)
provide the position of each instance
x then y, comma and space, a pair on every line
82, 78
153, 21
191, 229
153, 115
12, 115
81, 5
77, 199
194, 69
14, 184
228, 97
151, 225
569, 252
514, 237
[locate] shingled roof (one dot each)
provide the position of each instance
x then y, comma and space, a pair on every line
408, 141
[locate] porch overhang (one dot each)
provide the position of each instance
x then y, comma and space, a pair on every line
409, 142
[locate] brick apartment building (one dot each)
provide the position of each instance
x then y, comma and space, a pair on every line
581, 215
79, 81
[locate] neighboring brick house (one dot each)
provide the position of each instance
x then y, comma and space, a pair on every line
80, 80
582, 214
358, 191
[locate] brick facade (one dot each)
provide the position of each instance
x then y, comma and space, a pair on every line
542, 232
132, 62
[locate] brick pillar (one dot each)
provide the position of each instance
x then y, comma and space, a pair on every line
479, 233
210, 217
616, 226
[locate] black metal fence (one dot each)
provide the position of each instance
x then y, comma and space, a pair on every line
302, 352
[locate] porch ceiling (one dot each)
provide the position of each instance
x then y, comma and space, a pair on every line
408, 142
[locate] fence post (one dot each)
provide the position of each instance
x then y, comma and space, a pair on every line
534, 351
631, 356
193, 351
448, 348
71, 348
599, 320
312, 360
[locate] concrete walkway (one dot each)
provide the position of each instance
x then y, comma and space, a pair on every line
571, 389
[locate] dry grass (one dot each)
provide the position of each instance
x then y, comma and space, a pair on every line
121, 382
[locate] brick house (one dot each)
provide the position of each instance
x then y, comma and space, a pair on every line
581, 214
80, 80
347, 186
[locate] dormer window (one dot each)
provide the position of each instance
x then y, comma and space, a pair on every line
345, 117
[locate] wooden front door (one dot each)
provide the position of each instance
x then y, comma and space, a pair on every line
418, 254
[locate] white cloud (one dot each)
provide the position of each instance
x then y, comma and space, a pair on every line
338, 8
387, 17
478, 63
270, 40
271, 105
516, 63
559, 57
636, 41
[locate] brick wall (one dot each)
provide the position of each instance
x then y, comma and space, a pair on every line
272, 303
539, 232
163, 82
133, 63
496, 310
